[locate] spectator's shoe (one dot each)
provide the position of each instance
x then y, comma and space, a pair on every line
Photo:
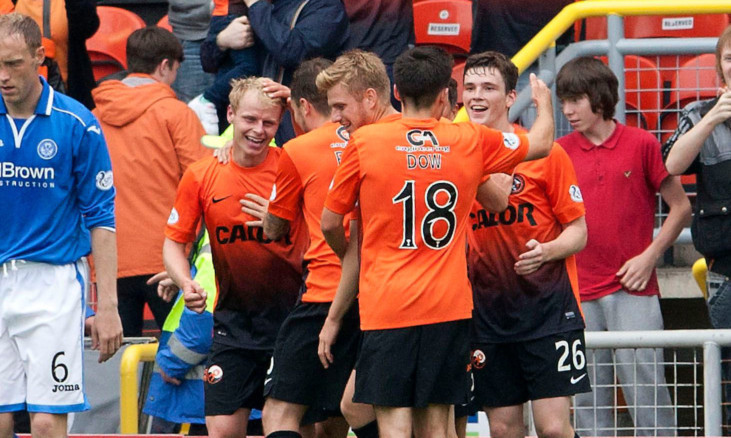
206, 112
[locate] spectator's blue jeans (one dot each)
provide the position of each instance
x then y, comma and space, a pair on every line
191, 80
719, 308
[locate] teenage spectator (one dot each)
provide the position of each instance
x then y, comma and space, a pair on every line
414, 297
527, 327
291, 31
620, 170
258, 279
228, 51
190, 21
384, 27
702, 146
71, 23
58, 207
152, 138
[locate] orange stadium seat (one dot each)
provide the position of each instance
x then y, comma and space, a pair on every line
642, 91
446, 23
165, 23
107, 47
696, 79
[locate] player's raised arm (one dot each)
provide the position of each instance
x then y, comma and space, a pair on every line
540, 135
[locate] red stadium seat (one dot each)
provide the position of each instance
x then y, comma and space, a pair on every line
642, 91
643, 26
107, 47
446, 23
165, 23
696, 79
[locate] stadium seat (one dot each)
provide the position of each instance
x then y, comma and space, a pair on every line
445, 23
645, 26
107, 47
165, 23
642, 91
696, 79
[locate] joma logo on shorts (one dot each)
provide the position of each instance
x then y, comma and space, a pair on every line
65, 388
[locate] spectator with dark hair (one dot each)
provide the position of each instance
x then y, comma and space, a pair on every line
620, 170
702, 146
190, 20
152, 137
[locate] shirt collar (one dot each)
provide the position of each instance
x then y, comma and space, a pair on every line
609, 143
45, 103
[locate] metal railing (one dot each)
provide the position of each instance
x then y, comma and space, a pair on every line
692, 364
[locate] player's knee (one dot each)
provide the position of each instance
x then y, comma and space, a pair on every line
44, 425
6, 425
502, 429
556, 428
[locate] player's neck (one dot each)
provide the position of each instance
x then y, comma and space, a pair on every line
315, 121
502, 125
244, 159
25, 108
383, 111
600, 131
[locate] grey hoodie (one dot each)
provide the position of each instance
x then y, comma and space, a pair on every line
190, 18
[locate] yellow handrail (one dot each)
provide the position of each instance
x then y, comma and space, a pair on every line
592, 8
128, 384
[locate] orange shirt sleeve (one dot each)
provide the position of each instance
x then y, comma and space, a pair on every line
501, 151
343, 194
287, 202
182, 225
562, 187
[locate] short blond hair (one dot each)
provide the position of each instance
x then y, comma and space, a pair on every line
23, 26
239, 87
357, 71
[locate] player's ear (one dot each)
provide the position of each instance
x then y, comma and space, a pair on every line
510, 98
396, 94
230, 114
371, 97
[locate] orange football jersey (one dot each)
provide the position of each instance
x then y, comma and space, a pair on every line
415, 181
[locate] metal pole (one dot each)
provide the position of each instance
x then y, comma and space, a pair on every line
615, 33
712, 388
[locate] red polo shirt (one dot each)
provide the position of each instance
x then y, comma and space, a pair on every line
619, 180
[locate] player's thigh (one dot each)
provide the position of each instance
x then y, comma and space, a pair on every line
506, 421
555, 365
234, 379
296, 374
44, 317
228, 426
433, 420
394, 422
498, 376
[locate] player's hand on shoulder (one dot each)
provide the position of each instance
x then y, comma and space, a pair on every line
194, 296
106, 333
223, 155
328, 335
256, 206
529, 261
